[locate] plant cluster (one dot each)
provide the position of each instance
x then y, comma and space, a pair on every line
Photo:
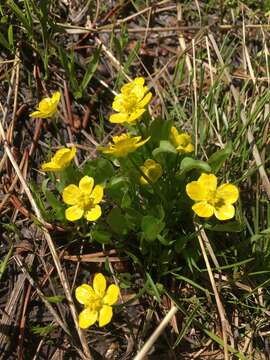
144, 193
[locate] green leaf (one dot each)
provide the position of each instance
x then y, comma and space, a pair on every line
188, 164
101, 236
43, 330
220, 341
93, 63
117, 188
151, 227
104, 171
4, 262
159, 129
232, 226
100, 169
57, 205
117, 222
10, 36
186, 326
20, 15
193, 283
217, 159
153, 287
165, 147
4, 42
55, 299
132, 55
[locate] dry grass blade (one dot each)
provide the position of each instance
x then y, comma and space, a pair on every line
153, 338
41, 295
223, 320
47, 236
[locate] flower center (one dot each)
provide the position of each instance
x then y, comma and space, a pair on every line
85, 201
214, 200
129, 103
96, 303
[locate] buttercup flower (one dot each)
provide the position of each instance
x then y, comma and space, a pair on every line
182, 141
131, 103
60, 160
97, 302
47, 106
123, 145
84, 200
152, 170
211, 199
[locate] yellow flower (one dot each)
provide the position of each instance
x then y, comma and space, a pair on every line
97, 302
84, 200
182, 142
131, 103
123, 145
47, 106
60, 160
152, 170
211, 199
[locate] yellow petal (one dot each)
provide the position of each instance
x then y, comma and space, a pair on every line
174, 134
99, 284
93, 214
203, 209
225, 212
139, 81
56, 96
228, 192
105, 149
105, 315
143, 181
135, 115
149, 162
141, 143
50, 166
74, 213
38, 114
119, 118
145, 100
84, 293
87, 318
119, 138
208, 181
64, 156
195, 191
44, 105
97, 194
189, 148
111, 295
86, 184
184, 138
71, 194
